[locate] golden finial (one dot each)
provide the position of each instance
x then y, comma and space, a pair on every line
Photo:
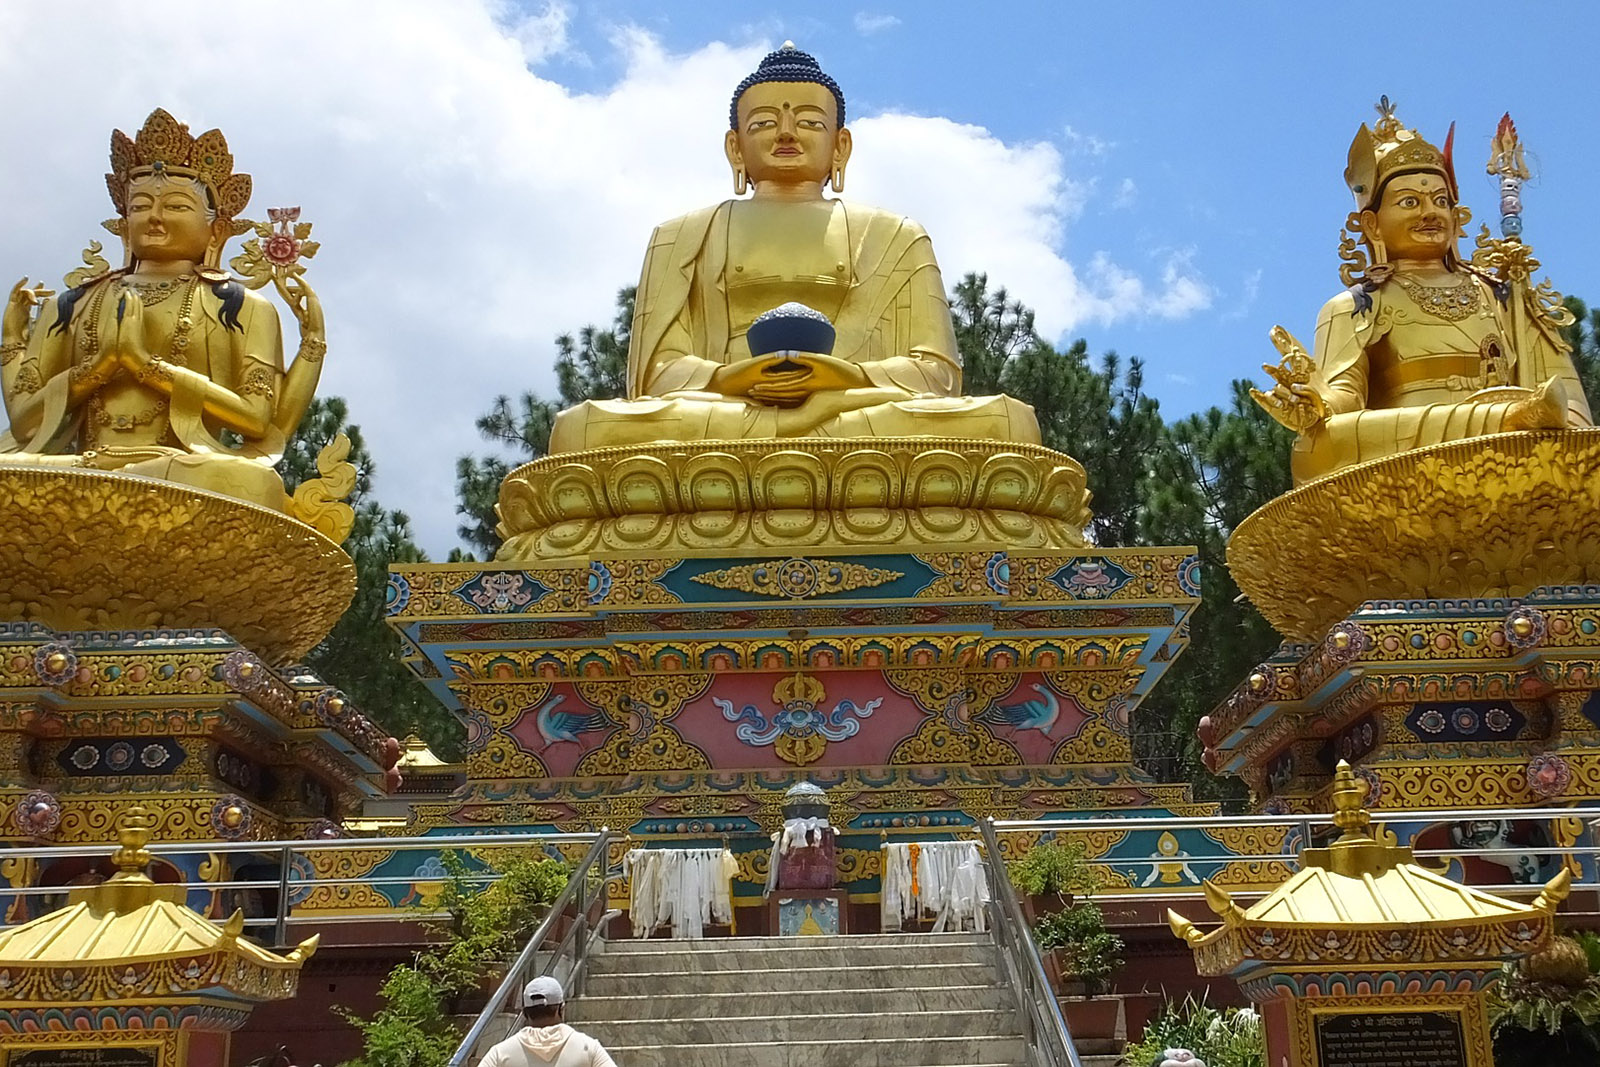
1348, 814
134, 828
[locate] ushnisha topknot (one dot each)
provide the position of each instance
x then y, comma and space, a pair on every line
787, 64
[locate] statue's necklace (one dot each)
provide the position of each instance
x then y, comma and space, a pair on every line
1449, 302
155, 292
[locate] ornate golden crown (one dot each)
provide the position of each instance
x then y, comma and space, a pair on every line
1379, 153
163, 145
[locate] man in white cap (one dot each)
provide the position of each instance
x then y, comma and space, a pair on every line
546, 1041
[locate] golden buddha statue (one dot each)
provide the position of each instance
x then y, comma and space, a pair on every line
709, 275
168, 367
1422, 348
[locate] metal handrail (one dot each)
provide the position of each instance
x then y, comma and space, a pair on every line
1045, 1029
584, 889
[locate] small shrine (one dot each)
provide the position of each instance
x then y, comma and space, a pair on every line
126, 976
1364, 957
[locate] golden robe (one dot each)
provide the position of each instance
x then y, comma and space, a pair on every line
1399, 376
871, 272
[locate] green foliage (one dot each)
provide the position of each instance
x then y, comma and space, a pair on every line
594, 366
362, 655
1087, 950
1220, 466
1543, 1015
1051, 867
1222, 1037
488, 926
1584, 337
411, 1029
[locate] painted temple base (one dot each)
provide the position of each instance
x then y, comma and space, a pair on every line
794, 495
213, 741
100, 550
1489, 516
680, 696
1438, 704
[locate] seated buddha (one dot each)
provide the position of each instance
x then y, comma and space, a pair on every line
692, 374
1422, 348
168, 367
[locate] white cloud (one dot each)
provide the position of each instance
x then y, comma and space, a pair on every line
471, 208
1086, 144
543, 34
1127, 194
868, 23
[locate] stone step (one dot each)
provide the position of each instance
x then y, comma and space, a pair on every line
816, 954
799, 981
740, 944
889, 1052
595, 1006
852, 1027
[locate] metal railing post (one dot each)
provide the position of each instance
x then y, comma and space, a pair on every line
1035, 999
280, 931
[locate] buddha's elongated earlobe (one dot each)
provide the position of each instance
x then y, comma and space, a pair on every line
842, 146
741, 181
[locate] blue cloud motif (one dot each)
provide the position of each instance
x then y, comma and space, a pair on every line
798, 718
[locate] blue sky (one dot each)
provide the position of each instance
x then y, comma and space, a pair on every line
1162, 179
1216, 129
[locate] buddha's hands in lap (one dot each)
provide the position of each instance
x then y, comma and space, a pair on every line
788, 381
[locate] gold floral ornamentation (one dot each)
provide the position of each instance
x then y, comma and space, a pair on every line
817, 492
798, 577
1488, 516
433, 589
177, 557
661, 748
936, 741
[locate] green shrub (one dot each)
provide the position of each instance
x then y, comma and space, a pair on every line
1543, 1011
1222, 1037
1050, 867
1087, 950
488, 926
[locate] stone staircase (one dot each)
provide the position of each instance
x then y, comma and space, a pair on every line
881, 1000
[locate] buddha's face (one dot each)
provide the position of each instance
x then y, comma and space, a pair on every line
1416, 218
169, 219
788, 133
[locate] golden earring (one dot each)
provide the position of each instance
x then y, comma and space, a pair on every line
740, 181
837, 181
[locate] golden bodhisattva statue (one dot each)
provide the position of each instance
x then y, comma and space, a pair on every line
169, 366
1422, 348
1446, 448
692, 373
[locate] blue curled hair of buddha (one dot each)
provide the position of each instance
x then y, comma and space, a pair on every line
787, 64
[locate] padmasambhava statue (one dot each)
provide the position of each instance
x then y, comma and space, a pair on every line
1422, 348
169, 366
708, 276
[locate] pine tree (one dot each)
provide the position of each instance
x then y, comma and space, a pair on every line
362, 655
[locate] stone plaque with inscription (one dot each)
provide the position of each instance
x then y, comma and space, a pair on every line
1391, 1039
84, 1057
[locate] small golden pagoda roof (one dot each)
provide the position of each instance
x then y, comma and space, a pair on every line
415, 755
1364, 899
130, 938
